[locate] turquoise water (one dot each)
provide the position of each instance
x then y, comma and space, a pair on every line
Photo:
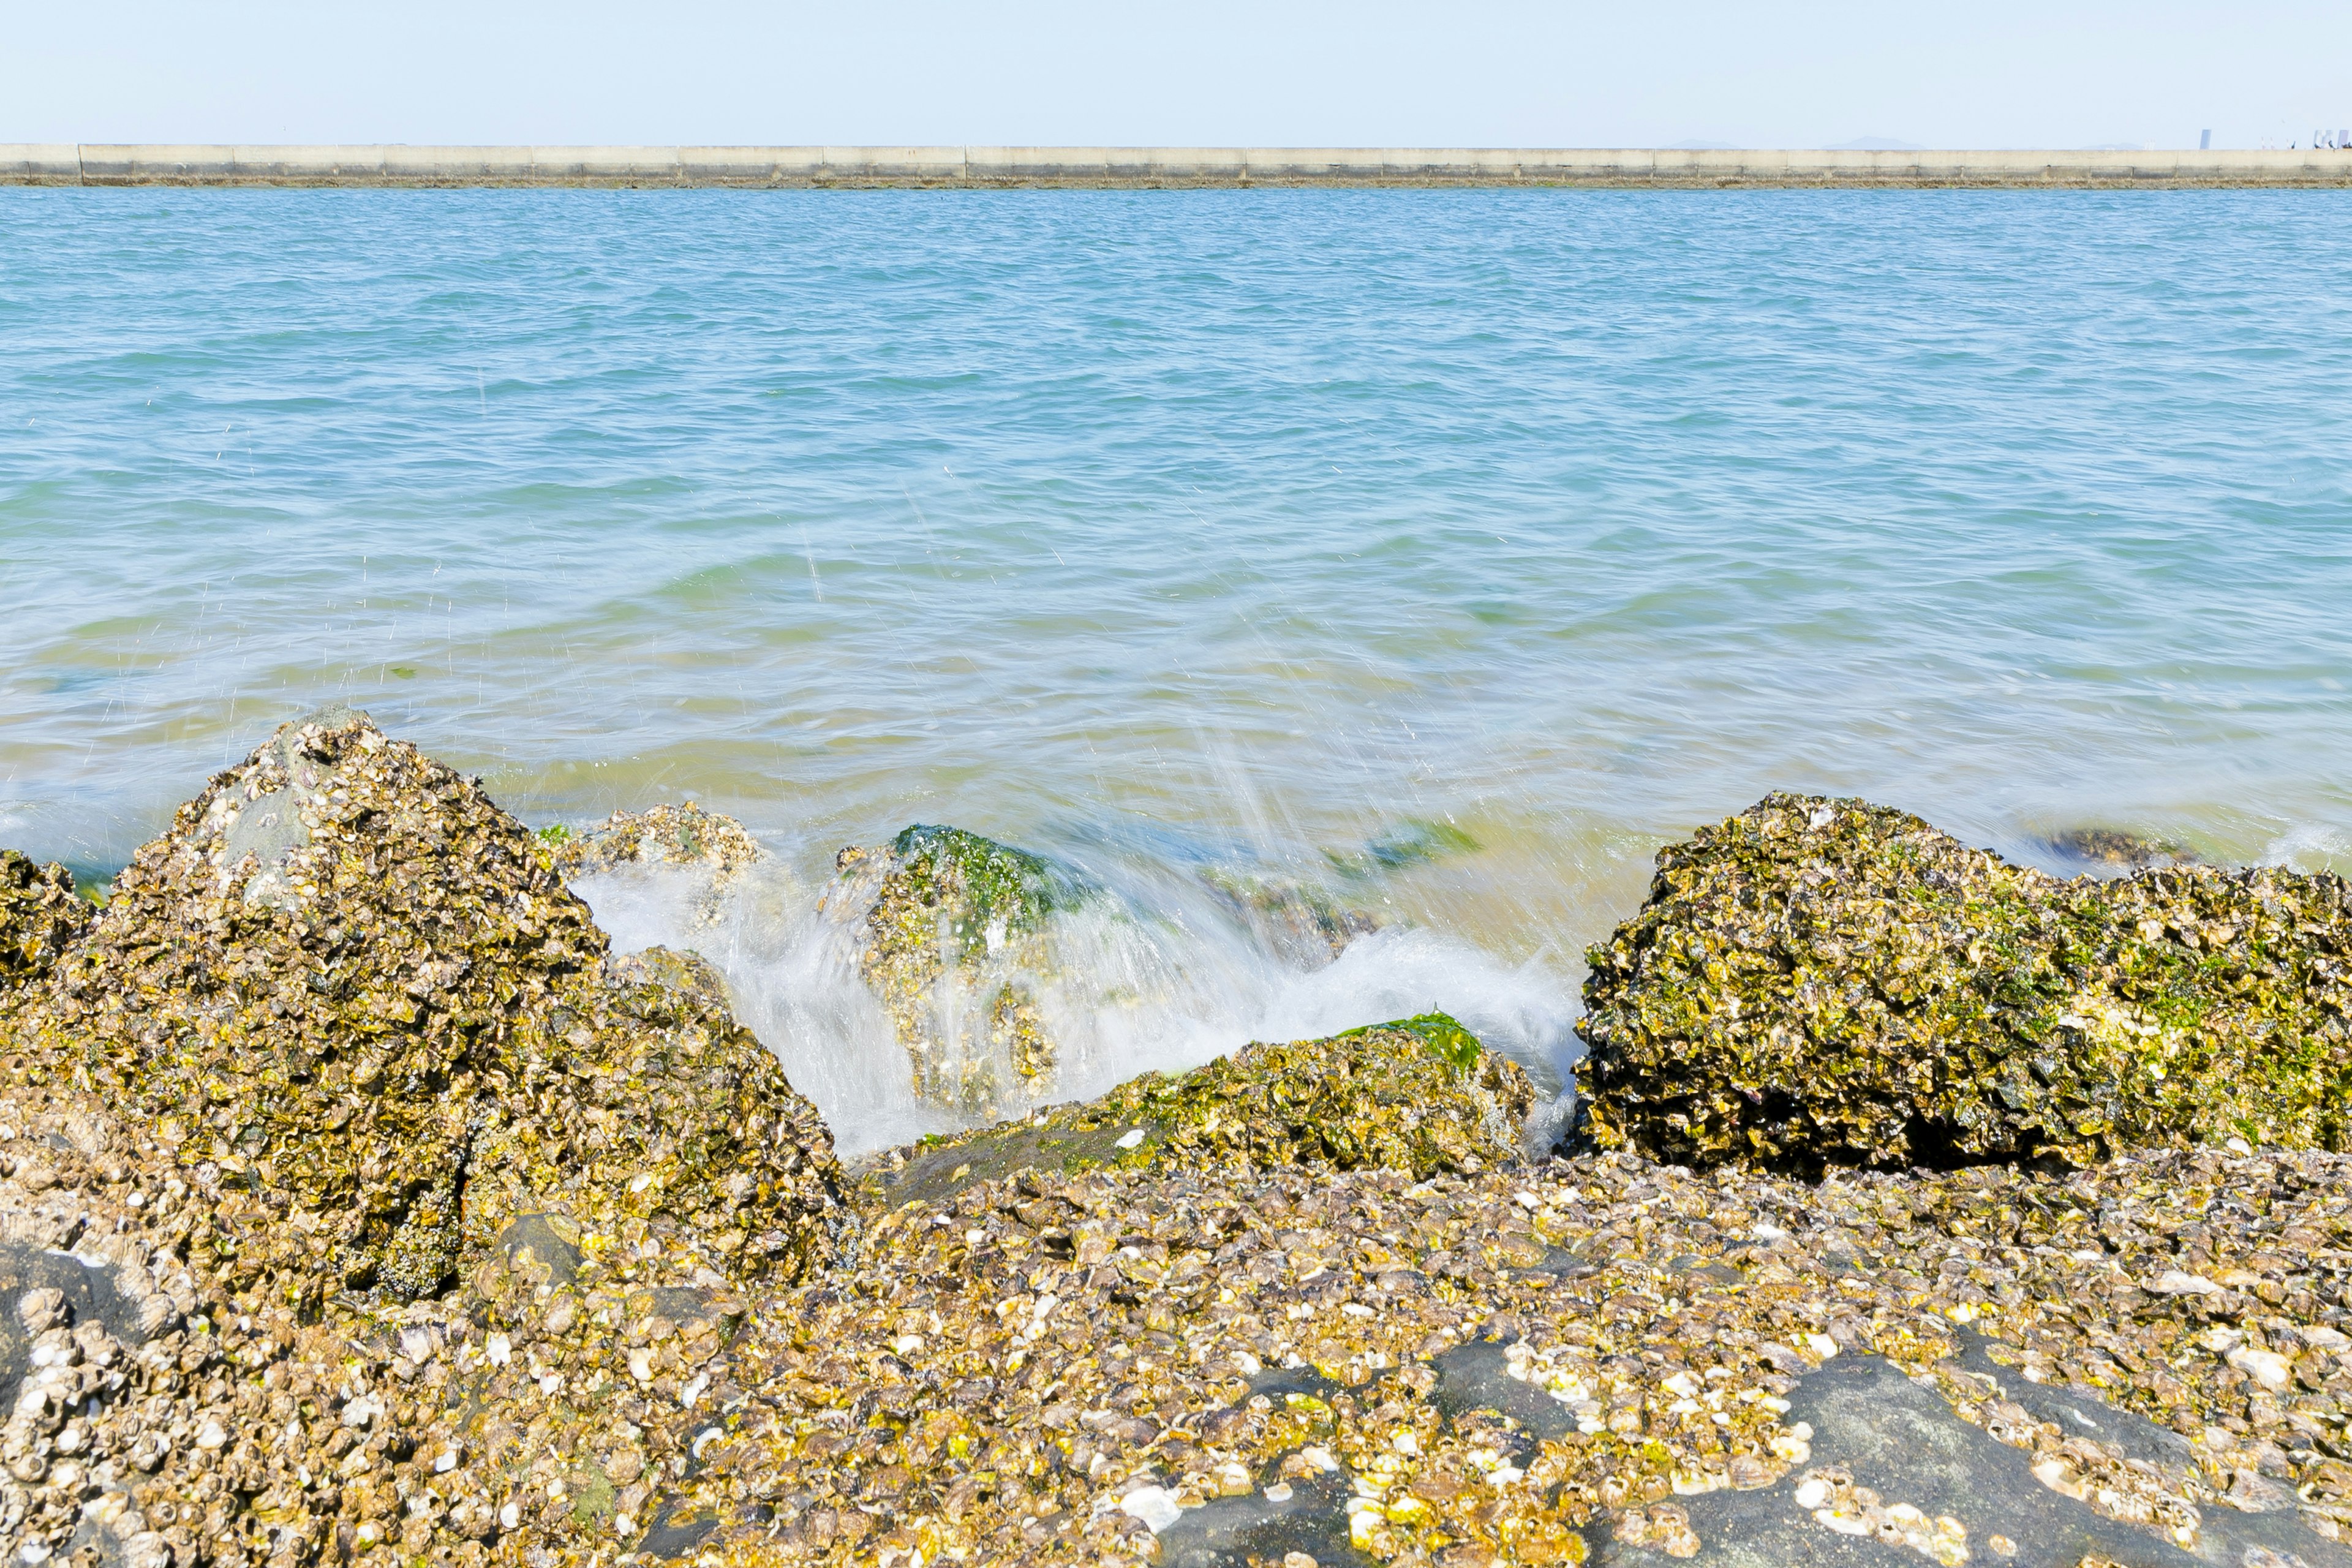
1227, 528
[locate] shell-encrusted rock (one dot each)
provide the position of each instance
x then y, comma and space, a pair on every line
684, 835
1828, 982
39, 919
1418, 1095
654, 1111
346, 980
957, 946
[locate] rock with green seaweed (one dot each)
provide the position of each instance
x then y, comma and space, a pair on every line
956, 942
1821, 982
41, 917
345, 978
1414, 842
1418, 1095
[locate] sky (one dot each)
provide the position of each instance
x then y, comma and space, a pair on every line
2006, 73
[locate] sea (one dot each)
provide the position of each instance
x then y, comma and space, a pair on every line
1435, 555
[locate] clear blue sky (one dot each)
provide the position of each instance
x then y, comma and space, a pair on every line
2008, 73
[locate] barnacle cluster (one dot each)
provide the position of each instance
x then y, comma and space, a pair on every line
956, 945
1300, 923
1821, 982
1418, 1095
40, 918
673, 837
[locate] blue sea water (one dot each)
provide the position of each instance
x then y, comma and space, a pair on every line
1178, 530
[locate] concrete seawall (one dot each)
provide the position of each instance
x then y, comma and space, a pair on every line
69, 164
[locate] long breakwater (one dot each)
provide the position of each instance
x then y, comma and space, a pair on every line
90, 164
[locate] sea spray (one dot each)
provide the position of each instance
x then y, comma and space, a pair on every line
1161, 976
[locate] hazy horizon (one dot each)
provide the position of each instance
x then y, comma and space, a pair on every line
2070, 76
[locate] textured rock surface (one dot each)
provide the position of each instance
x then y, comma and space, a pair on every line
715, 849
1418, 1095
345, 977
683, 834
40, 918
956, 945
1241, 1338
1594, 1359
1828, 982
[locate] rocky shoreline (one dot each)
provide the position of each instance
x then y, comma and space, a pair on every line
356, 1205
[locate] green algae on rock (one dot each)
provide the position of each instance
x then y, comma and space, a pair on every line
1418, 1095
346, 978
41, 917
1826, 982
956, 945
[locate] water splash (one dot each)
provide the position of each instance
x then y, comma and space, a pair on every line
1162, 976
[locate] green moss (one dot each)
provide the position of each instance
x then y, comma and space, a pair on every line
1439, 1032
555, 833
980, 881
1820, 982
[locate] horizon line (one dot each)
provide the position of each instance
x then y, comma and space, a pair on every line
984, 166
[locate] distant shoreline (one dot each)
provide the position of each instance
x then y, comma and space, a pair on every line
88, 164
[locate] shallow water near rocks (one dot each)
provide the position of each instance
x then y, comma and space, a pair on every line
1443, 553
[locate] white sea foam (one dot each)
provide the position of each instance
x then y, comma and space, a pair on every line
2315, 846
1148, 979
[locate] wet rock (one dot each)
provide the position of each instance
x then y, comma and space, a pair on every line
1301, 924
2116, 849
1821, 981
346, 981
684, 835
39, 919
956, 944
1418, 1095
718, 849
1414, 842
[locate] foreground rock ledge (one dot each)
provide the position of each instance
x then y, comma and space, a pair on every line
293, 1271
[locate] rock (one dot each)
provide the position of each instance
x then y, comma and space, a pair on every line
1418, 1095
1301, 924
1317, 1312
956, 944
682, 836
2117, 848
345, 980
1824, 982
39, 919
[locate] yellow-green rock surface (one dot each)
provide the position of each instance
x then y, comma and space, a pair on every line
1418, 1095
346, 978
1826, 982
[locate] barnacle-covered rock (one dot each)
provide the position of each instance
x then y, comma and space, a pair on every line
345, 977
957, 946
40, 918
1828, 982
665, 835
1418, 1095
675, 837
655, 1112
